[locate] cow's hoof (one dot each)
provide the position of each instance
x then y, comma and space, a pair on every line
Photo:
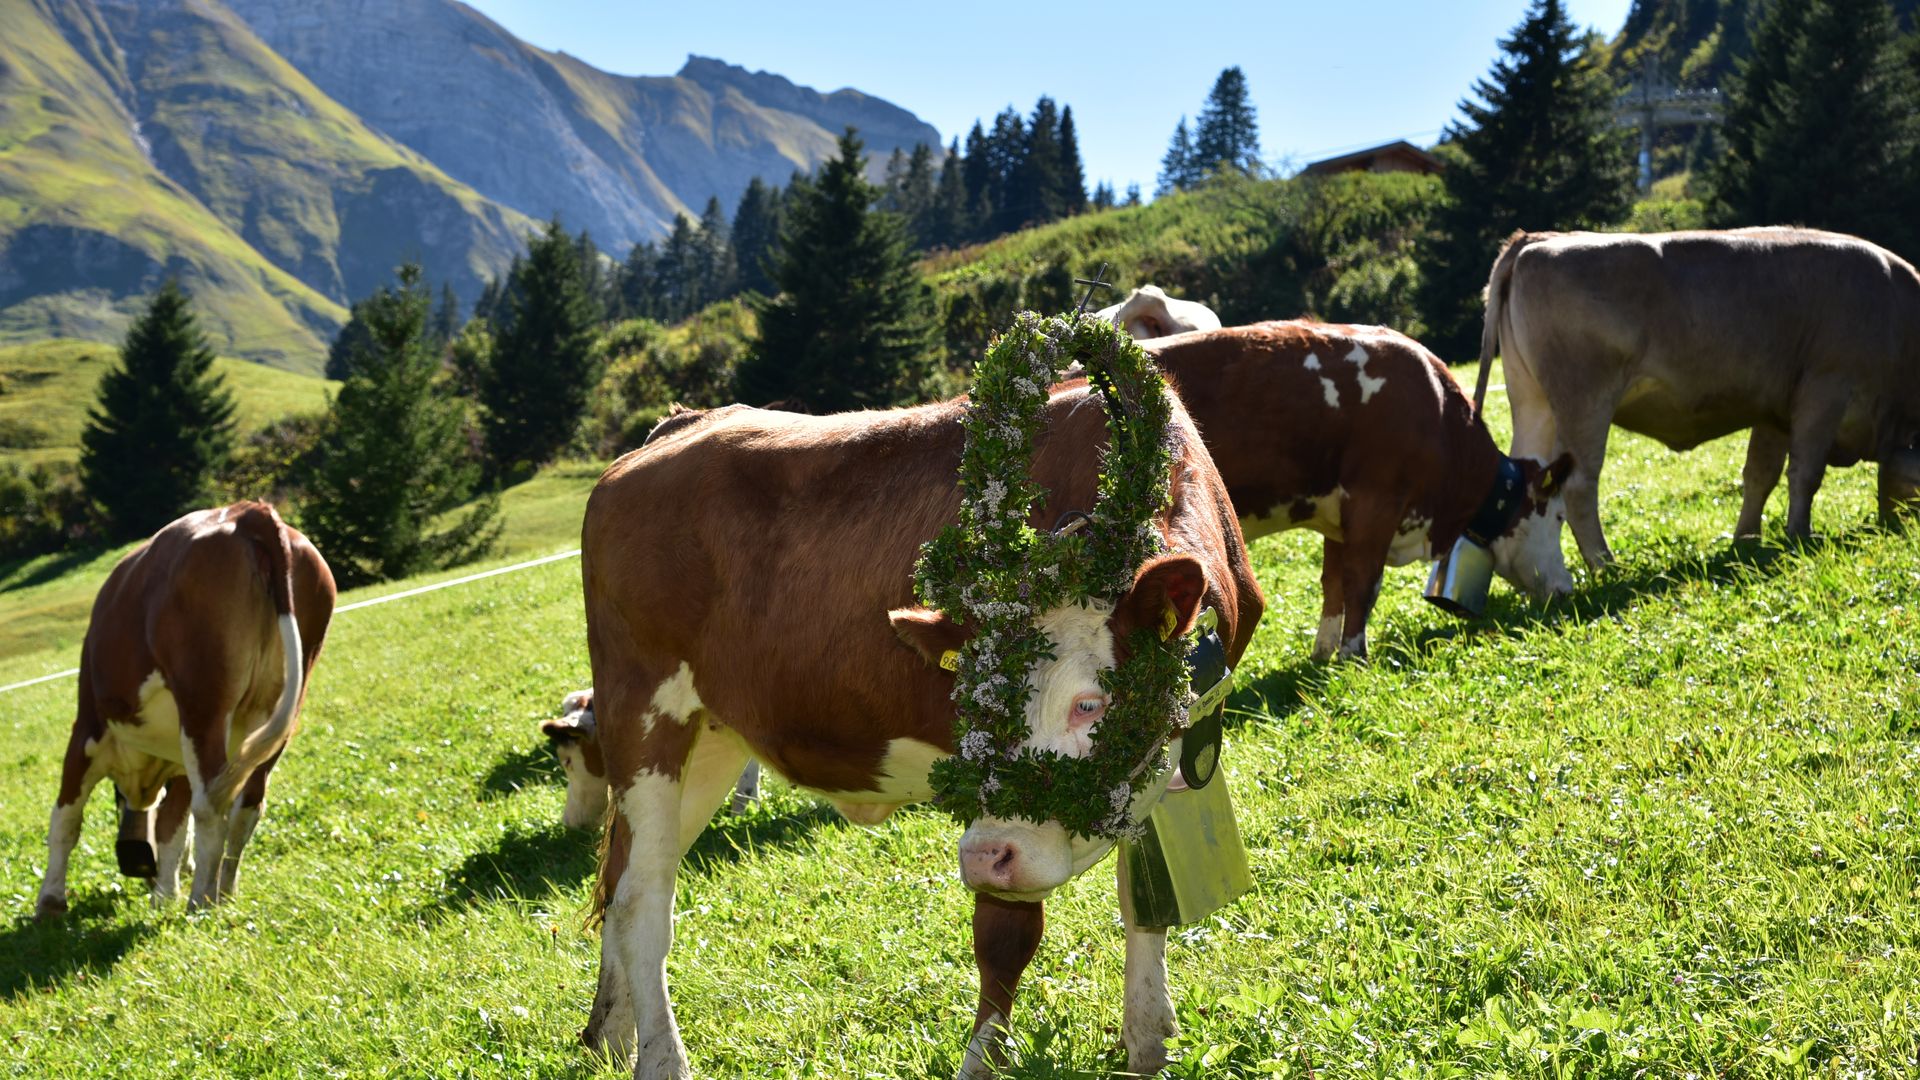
50, 908
1147, 1060
662, 1059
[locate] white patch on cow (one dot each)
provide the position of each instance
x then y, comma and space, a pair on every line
1312, 362
1149, 1019
63, 832
1369, 385
639, 918
977, 1063
1324, 518
1082, 648
171, 852
1410, 541
1328, 639
1330, 392
209, 831
675, 698
902, 778
1353, 646
157, 734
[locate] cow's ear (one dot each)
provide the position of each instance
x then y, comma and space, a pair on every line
1554, 475
578, 700
931, 633
1166, 595
563, 730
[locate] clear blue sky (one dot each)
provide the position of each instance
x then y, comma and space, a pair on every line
1325, 76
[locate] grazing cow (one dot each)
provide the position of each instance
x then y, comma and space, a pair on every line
193, 669
1812, 339
1147, 312
766, 617
1362, 435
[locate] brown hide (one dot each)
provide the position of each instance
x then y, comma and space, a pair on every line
1411, 450
765, 549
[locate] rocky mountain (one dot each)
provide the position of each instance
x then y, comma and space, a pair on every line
545, 133
282, 156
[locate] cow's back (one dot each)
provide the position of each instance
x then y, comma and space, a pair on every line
1699, 334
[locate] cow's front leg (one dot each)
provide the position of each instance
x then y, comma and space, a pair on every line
1766, 454
1149, 1021
170, 838
1368, 526
1006, 933
1326, 641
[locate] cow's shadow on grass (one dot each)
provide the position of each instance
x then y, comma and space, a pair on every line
530, 766
53, 568
524, 864
731, 838
90, 940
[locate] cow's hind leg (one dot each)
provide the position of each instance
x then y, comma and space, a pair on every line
1326, 640
241, 821
1766, 453
1586, 439
1006, 933
1817, 412
170, 838
77, 779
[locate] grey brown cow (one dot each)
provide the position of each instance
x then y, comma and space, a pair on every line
1811, 339
194, 666
773, 617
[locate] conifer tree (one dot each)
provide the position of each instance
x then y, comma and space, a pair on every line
951, 216
676, 270
852, 324
1227, 136
1539, 150
446, 317
395, 457
1073, 175
535, 387
1821, 126
1133, 195
713, 255
917, 196
163, 422
756, 233
1177, 168
639, 283
1006, 145
1103, 196
341, 351
978, 172
1036, 179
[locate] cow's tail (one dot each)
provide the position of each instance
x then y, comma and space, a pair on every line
1498, 284
260, 524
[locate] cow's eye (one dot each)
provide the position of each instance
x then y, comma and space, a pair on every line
1087, 708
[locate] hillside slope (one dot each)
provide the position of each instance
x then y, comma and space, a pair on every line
1699, 42
89, 223
545, 133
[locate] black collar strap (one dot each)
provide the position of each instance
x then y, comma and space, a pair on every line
1502, 506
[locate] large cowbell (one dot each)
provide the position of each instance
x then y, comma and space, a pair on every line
1461, 578
1188, 861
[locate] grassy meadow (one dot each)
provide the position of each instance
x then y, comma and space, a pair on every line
1665, 828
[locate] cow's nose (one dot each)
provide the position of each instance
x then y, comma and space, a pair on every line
988, 864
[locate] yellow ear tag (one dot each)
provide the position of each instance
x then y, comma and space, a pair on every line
950, 659
1169, 621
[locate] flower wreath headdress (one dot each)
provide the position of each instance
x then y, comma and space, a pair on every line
996, 573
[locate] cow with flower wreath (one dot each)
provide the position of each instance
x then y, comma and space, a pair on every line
851, 599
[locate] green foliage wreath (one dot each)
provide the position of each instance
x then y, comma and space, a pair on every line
996, 573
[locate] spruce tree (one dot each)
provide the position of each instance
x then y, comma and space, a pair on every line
1034, 186
1103, 198
756, 233
1177, 168
713, 255
978, 172
1227, 137
1133, 195
535, 387
917, 196
951, 215
1539, 150
1073, 175
640, 282
1821, 127
1006, 146
852, 324
341, 352
163, 422
446, 317
395, 457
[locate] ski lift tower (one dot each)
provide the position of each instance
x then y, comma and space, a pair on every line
1652, 103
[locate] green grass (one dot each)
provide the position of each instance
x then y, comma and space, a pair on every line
46, 389
1663, 829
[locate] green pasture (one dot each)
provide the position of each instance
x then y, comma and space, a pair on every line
1666, 828
47, 388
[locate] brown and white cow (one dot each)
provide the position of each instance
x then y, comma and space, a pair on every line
1148, 312
1362, 435
575, 738
1811, 339
192, 673
771, 616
